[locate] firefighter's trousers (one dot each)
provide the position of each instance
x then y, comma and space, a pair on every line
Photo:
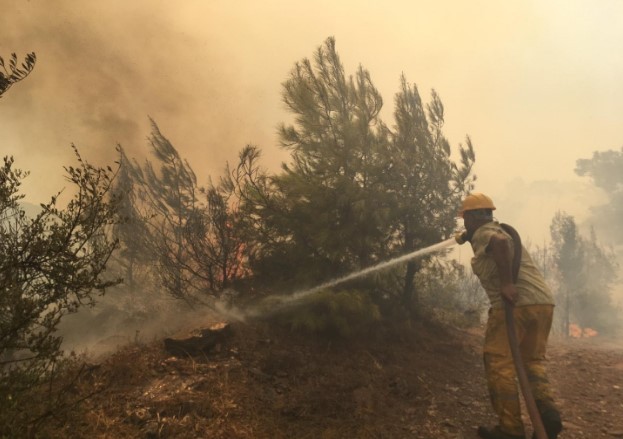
533, 324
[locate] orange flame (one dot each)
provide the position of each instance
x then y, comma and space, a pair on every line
576, 331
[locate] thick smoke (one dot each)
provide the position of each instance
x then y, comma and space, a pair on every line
535, 94
103, 69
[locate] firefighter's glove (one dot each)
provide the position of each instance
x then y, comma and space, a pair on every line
461, 237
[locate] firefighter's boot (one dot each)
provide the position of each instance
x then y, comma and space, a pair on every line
551, 423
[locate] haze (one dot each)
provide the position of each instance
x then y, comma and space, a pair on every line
536, 85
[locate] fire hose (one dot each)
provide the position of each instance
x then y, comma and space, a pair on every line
522, 376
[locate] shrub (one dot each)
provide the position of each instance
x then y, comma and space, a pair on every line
50, 265
343, 313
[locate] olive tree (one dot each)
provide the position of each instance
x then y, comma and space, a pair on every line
50, 265
13, 73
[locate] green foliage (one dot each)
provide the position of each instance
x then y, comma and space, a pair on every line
605, 169
27, 409
169, 196
50, 265
343, 313
594, 306
136, 254
327, 193
423, 185
14, 74
355, 192
192, 240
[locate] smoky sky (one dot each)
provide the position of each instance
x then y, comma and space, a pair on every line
536, 85
101, 72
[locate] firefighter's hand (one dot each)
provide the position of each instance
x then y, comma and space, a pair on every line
509, 293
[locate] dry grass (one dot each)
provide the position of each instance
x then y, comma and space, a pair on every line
422, 381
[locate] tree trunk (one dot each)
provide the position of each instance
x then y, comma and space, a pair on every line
410, 298
567, 317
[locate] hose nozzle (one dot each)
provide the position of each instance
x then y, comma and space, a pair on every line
460, 237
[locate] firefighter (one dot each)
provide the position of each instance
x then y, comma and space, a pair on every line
533, 310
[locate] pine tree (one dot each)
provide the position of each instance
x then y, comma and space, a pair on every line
327, 192
605, 170
566, 244
354, 192
586, 274
170, 196
135, 254
423, 182
594, 307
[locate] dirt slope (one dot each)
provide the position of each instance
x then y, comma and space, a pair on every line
422, 382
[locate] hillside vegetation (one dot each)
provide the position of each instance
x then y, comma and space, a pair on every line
423, 381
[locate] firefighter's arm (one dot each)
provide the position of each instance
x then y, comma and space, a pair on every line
500, 251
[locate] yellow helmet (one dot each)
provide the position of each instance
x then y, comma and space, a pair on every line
475, 201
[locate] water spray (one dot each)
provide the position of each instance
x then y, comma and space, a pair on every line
278, 301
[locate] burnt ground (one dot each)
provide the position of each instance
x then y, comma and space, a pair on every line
421, 382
